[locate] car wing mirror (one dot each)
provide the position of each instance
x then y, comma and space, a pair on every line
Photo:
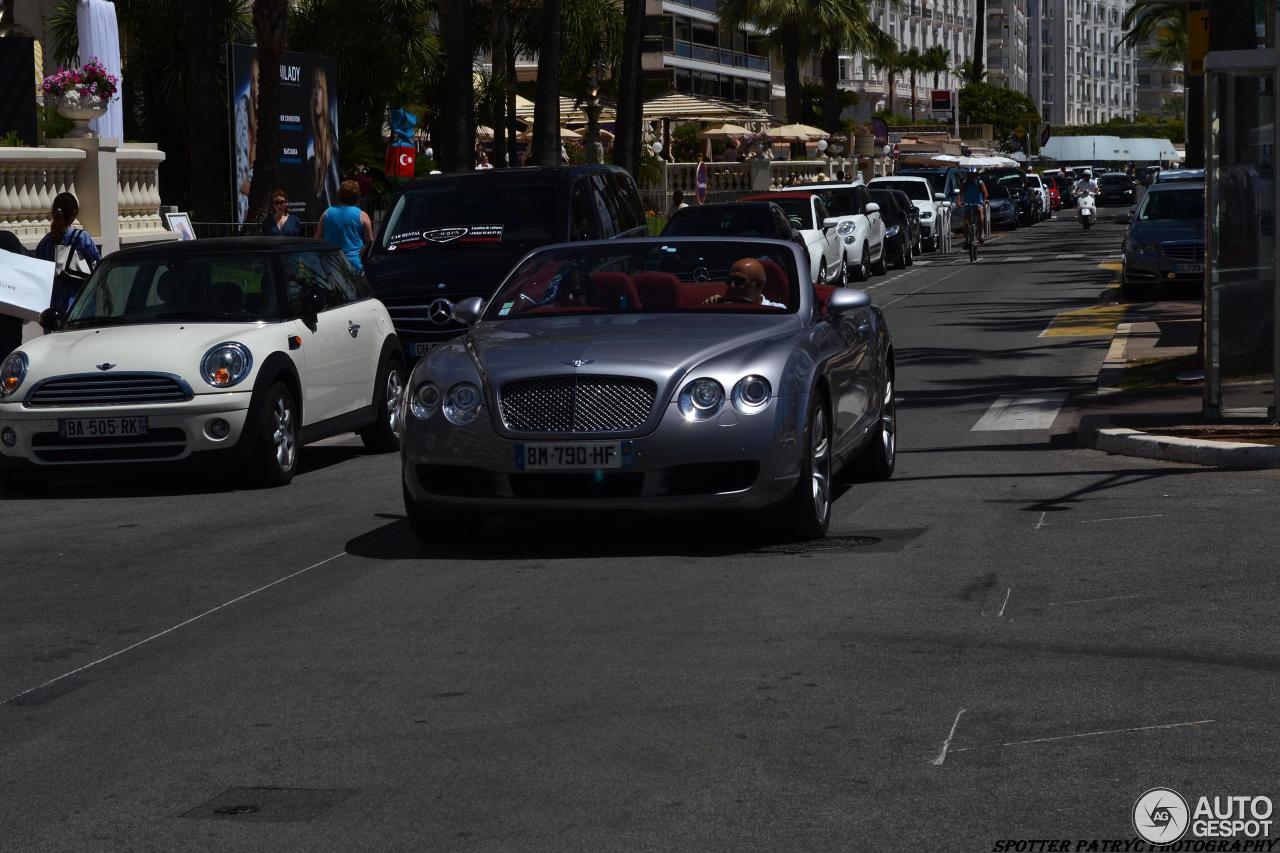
846, 299
52, 320
312, 304
873, 208
939, 197
468, 311
830, 222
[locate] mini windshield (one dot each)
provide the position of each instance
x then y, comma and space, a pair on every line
799, 210
190, 287
650, 277
1173, 204
472, 214
913, 189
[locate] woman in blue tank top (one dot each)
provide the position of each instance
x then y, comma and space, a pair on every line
346, 225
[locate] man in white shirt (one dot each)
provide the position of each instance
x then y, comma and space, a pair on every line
746, 286
1086, 184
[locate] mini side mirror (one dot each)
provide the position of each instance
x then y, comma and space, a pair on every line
52, 320
846, 299
873, 208
468, 311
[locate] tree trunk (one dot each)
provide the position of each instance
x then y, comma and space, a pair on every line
979, 40
458, 123
511, 99
831, 90
203, 143
791, 73
891, 79
546, 105
498, 48
626, 140
913, 96
270, 24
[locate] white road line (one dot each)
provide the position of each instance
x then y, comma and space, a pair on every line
1019, 259
166, 631
1121, 518
1011, 412
1040, 523
946, 744
1069, 256
925, 287
1084, 734
337, 441
1093, 600
1007, 593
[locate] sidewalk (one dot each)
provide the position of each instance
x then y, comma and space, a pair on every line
1147, 404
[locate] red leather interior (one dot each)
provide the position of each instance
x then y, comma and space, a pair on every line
613, 291
775, 282
659, 291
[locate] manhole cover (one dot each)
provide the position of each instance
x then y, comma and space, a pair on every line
269, 804
831, 543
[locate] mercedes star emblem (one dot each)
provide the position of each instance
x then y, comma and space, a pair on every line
440, 311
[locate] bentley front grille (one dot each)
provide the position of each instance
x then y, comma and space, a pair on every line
577, 404
121, 389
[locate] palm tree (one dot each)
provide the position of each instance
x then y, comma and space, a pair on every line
913, 62
937, 61
887, 57
458, 122
630, 110
976, 72
794, 28
546, 102
853, 33
498, 51
270, 25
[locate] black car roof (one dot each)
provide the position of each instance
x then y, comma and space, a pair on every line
518, 175
227, 244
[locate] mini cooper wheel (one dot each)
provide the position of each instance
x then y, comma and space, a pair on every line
383, 435
274, 459
879, 455
432, 527
807, 513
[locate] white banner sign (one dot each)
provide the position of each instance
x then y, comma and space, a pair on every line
26, 285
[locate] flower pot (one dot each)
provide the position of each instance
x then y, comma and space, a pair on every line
81, 109
864, 145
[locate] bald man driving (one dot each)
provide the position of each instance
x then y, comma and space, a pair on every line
746, 286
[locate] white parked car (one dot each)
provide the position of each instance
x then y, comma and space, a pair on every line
808, 215
857, 223
235, 352
1037, 184
935, 216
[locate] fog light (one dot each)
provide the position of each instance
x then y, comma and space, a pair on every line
1170, 276
9, 437
217, 429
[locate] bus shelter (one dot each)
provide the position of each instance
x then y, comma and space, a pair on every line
1242, 359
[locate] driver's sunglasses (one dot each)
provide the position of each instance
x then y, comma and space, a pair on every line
738, 280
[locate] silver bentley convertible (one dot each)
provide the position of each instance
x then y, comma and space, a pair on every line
651, 374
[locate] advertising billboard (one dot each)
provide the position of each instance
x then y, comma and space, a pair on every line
307, 162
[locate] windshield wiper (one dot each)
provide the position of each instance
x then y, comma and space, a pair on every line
192, 315
102, 321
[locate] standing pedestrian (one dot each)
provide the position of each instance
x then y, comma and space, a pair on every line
346, 225
74, 265
677, 202
280, 222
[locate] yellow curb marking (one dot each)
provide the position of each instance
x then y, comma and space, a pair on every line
1095, 321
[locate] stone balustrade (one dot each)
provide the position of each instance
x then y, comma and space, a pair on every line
118, 190
728, 181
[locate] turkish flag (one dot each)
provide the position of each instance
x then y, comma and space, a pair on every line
399, 162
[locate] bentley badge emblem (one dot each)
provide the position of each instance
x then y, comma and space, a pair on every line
106, 365
579, 362
440, 311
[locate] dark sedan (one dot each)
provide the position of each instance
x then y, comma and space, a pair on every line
1115, 189
1004, 210
897, 225
1165, 242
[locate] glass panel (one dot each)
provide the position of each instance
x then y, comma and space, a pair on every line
1241, 306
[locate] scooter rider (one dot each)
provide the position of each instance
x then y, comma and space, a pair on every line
1086, 184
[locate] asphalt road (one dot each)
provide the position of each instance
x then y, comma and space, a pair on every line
1012, 639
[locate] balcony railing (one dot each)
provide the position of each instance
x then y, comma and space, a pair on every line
707, 53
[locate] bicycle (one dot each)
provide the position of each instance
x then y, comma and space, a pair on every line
970, 232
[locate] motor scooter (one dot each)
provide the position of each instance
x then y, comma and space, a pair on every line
1086, 209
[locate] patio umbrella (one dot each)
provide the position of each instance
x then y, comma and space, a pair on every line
566, 135
796, 133
725, 131
484, 134
100, 39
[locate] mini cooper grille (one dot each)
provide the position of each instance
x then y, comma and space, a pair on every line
1184, 251
577, 404
107, 390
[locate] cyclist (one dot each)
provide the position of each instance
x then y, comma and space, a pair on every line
974, 197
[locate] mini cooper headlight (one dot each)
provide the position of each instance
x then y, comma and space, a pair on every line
462, 403
701, 399
226, 364
12, 372
424, 401
751, 394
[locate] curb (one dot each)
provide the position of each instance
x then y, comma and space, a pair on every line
1112, 372
1097, 432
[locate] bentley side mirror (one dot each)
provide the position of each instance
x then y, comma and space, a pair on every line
873, 208
846, 299
52, 320
468, 311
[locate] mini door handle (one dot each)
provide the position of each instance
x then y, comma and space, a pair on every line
353, 328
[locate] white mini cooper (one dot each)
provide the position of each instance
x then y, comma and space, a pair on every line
232, 351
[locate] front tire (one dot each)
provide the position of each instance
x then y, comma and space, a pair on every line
807, 512
863, 272
383, 436
274, 458
880, 267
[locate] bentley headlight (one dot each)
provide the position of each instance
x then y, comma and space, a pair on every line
462, 403
844, 229
701, 399
226, 364
751, 394
424, 401
12, 372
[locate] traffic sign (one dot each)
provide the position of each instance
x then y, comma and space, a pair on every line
1197, 42
701, 180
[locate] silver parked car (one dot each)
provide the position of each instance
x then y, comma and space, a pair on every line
652, 374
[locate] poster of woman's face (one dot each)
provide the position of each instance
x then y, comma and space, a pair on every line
306, 162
